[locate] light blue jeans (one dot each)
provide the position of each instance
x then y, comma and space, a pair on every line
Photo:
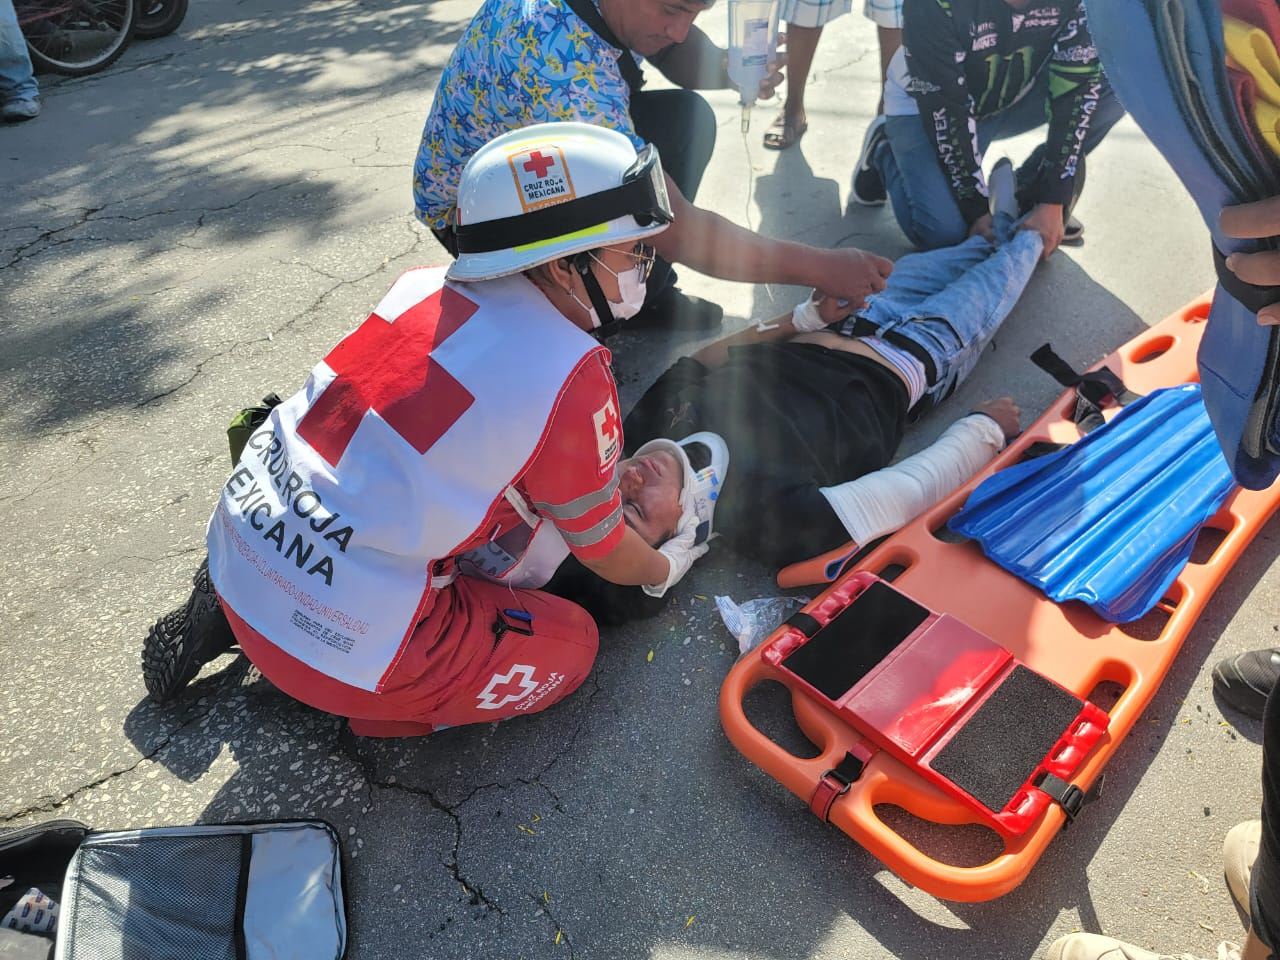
17, 81
917, 187
951, 301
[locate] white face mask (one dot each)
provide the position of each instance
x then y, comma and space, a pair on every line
630, 287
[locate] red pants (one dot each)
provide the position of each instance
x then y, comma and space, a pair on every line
456, 668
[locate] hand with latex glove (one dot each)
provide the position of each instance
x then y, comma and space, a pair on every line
680, 552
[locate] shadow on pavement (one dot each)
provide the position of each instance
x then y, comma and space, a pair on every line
107, 223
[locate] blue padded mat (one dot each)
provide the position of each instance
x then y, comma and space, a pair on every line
1111, 519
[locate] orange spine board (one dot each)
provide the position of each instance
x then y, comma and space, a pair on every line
1068, 643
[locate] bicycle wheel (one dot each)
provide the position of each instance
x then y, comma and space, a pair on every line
76, 37
159, 18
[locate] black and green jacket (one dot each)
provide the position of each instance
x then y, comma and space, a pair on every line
970, 59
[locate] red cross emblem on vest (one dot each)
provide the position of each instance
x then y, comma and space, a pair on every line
387, 368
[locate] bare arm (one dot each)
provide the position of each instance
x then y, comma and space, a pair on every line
631, 563
817, 314
710, 244
695, 64
715, 354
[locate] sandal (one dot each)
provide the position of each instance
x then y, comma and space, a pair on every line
782, 133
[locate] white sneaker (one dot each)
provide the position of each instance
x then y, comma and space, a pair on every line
22, 108
1239, 853
1002, 185
1094, 946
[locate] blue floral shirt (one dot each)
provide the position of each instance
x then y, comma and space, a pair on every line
519, 62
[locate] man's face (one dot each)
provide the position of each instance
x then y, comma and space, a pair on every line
647, 26
650, 488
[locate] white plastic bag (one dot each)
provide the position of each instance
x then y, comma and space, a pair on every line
753, 621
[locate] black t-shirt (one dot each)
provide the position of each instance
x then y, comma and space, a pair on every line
797, 411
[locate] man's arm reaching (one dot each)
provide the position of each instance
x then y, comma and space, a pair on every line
697, 63
713, 245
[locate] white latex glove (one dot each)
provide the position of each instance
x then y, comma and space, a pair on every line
680, 552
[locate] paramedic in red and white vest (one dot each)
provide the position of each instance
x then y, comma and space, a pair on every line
375, 547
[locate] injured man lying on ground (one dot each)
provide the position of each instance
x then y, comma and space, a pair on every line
800, 418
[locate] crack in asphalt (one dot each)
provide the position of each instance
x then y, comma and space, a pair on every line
66, 473
45, 239
49, 805
19, 253
544, 904
350, 747
299, 315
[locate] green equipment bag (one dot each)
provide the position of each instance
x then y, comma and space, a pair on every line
246, 421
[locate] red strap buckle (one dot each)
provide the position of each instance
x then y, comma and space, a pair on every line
835, 782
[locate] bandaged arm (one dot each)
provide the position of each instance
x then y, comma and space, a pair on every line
881, 502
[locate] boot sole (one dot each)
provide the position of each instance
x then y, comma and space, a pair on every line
168, 663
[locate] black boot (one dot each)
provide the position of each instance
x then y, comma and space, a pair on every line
185, 639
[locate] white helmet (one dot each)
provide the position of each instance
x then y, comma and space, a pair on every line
702, 483
552, 190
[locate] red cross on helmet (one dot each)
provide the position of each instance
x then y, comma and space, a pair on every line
552, 190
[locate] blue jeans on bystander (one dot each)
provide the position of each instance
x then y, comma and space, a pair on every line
17, 80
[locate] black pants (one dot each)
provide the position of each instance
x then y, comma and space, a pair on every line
682, 126
1264, 893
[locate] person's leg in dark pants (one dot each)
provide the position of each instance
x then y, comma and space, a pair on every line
1264, 890
682, 125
